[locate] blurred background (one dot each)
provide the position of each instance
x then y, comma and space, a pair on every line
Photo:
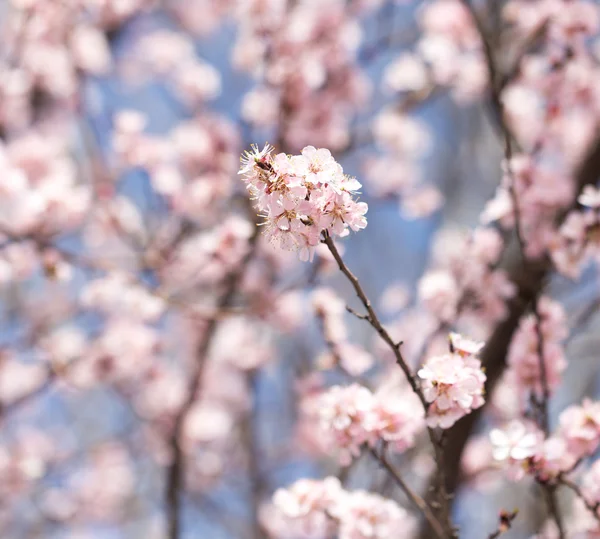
160, 363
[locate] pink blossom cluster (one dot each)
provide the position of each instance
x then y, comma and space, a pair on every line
204, 257
201, 17
303, 56
49, 46
515, 445
330, 310
591, 484
405, 140
354, 416
40, 192
524, 352
542, 189
448, 53
192, 166
578, 240
170, 56
522, 447
99, 490
453, 384
579, 427
323, 509
24, 459
302, 197
553, 109
451, 48
582, 524
466, 282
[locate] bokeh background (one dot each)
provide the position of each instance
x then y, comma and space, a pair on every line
158, 359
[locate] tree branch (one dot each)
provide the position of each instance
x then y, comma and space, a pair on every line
373, 320
176, 471
419, 502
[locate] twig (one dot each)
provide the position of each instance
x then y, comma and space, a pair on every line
593, 507
496, 102
505, 523
176, 470
411, 494
374, 321
498, 109
254, 469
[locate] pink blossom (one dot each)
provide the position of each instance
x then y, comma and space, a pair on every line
552, 458
316, 509
523, 356
515, 445
356, 416
347, 413
306, 504
90, 49
421, 202
453, 385
397, 418
464, 346
440, 293
589, 197
302, 197
580, 428
407, 72
591, 483
363, 515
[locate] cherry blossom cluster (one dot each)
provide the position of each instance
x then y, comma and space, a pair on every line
578, 239
40, 191
447, 56
523, 449
302, 197
87, 494
553, 109
330, 310
49, 46
524, 352
591, 485
192, 166
304, 57
311, 508
542, 191
448, 53
354, 416
453, 384
466, 283
405, 140
170, 56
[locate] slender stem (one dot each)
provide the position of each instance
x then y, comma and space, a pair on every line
498, 109
505, 523
176, 471
411, 494
549, 490
593, 507
372, 318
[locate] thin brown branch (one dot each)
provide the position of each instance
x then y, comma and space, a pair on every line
175, 475
493, 356
594, 507
497, 107
417, 500
529, 283
442, 498
373, 319
505, 520
254, 459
